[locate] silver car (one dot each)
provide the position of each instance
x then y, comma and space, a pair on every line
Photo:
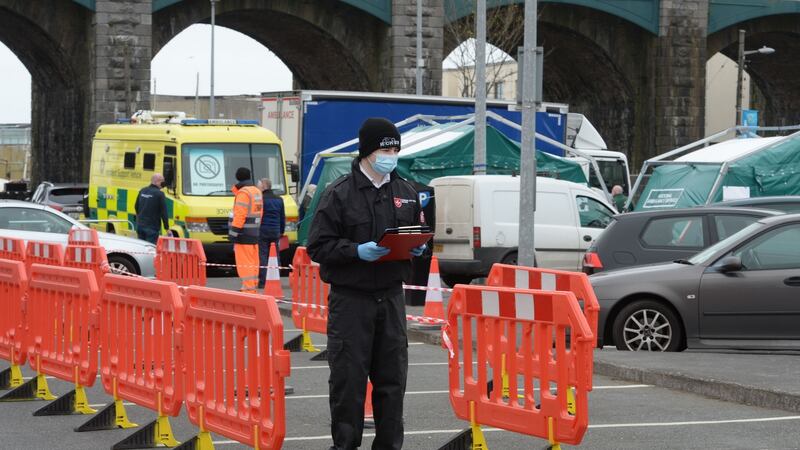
33, 222
741, 293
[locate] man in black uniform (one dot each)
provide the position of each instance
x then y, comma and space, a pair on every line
151, 210
366, 316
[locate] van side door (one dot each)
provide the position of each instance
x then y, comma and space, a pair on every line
555, 233
592, 218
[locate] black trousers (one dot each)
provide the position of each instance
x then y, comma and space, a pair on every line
367, 338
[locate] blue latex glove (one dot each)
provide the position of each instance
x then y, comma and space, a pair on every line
416, 251
370, 251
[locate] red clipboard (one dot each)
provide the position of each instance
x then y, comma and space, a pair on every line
401, 244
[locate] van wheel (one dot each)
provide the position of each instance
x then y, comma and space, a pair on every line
452, 280
510, 259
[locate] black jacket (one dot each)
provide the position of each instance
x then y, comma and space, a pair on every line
151, 208
351, 212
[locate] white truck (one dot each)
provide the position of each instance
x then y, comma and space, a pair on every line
583, 136
477, 223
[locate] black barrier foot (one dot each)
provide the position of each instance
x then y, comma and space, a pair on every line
200, 442
295, 344
11, 378
321, 356
111, 417
62, 406
461, 441
157, 433
23, 393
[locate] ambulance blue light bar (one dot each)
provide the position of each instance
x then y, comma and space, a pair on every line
218, 122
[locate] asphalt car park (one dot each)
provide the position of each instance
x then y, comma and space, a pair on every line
622, 415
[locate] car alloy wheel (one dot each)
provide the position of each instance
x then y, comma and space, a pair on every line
648, 325
647, 329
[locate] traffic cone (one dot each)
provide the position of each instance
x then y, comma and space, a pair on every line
273, 282
369, 418
433, 298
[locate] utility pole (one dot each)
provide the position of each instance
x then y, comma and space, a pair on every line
419, 47
739, 79
211, 109
526, 255
196, 93
479, 163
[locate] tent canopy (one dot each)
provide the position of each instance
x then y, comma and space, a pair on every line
756, 167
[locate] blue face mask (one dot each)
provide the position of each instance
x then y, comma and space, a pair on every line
384, 164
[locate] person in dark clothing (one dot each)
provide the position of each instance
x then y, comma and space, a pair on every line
151, 210
366, 315
273, 224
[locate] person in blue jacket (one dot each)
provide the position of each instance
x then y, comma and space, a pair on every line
273, 224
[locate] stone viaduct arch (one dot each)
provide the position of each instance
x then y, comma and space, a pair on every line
56, 54
774, 75
317, 41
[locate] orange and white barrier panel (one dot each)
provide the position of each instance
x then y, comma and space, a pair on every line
552, 404
182, 261
83, 236
43, 253
12, 248
89, 257
13, 290
235, 367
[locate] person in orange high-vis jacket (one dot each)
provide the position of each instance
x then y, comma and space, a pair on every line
243, 227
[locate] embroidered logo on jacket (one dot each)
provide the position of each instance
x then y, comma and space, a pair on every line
399, 202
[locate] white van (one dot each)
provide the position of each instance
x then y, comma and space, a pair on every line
477, 223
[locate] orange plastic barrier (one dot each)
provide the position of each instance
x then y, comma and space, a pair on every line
88, 257
139, 322
12, 248
83, 236
309, 294
235, 367
182, 261
536, 323
43, 253
61, 315
13, 287
549, 280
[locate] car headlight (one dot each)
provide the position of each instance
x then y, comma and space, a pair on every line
291, 226
197, 225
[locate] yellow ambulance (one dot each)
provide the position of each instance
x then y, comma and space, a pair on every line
198, 159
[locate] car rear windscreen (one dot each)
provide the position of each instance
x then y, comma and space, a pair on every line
67, 196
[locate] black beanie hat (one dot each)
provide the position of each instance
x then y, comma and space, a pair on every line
242, 174
376, 133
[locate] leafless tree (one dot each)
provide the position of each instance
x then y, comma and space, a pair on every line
504, 29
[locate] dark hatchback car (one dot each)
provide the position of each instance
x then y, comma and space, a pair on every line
789, 204
649, 237
69, 198
740, 293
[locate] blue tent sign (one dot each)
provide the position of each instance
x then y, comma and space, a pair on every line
750, 117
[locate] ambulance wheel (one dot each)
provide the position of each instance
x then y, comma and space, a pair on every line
121, 264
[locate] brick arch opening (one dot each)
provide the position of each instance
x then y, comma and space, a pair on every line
325, 45
776, 85
60, 98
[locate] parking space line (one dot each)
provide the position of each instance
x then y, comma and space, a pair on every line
490, 429
101, 405
410, 364
312, 396
695, 422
